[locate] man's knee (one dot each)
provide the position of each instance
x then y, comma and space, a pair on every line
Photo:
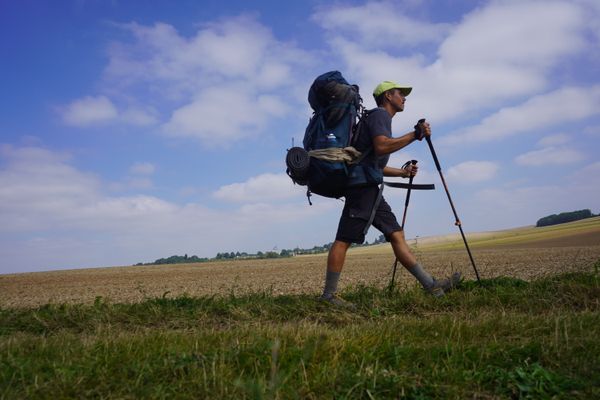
339, 245
397, 237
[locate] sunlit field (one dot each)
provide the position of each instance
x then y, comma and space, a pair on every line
523, 253
253, 329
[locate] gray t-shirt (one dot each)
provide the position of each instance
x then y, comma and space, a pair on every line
379, 122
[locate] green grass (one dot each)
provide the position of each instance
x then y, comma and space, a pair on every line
506, 338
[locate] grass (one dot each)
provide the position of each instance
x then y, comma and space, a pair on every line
506, 338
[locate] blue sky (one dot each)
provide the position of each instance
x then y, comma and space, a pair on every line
131, 131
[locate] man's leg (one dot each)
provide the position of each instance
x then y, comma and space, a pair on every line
408, 260
357, 209
337, 256
335, 263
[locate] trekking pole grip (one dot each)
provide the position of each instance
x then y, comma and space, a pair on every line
419, 136
410, 181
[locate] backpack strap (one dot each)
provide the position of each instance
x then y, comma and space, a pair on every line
363, 114
374, 210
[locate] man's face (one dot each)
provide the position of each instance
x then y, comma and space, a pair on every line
397, 100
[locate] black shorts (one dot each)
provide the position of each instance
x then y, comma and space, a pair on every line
357, 211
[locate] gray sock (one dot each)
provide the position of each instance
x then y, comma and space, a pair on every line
422, 276
331, 282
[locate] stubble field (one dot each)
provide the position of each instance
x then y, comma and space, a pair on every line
524, 253
251, 329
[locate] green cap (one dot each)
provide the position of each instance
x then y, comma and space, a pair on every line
387, 85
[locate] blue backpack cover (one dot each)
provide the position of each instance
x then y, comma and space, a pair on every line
336, 105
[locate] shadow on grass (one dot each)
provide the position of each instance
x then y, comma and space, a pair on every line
494, 283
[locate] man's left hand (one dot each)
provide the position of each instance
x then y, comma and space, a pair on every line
411, 170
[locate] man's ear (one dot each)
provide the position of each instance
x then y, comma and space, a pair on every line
388, 95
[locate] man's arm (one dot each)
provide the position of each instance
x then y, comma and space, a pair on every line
401, 172
384, 145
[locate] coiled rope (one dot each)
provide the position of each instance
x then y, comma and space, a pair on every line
347, 154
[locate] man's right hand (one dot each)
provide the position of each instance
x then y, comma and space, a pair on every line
422, 129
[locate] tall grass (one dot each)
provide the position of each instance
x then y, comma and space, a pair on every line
506, 338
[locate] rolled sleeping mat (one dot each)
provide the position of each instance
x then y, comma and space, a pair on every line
298, 162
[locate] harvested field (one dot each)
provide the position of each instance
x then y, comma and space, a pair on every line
303, 274
524, 253
584, 232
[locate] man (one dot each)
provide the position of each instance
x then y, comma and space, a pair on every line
363, 196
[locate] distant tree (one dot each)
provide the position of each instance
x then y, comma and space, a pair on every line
380, 239
286, 253
564, 217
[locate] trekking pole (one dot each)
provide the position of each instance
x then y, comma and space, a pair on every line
410, 180
457, 223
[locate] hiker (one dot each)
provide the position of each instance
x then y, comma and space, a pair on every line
364, 197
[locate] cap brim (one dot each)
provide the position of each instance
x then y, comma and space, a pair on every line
405, 90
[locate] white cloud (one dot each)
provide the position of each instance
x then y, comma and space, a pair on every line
590, 174
229, 80
89, 110
504, 33
379, 23
139, 178
262, 188
231, 47
58, 216
505, 207
497, 53
139, 116
96, 110
213, 119
37, 185
472, 171
547, 110
593, 131
142, 168
592, 8
550, 156
236, 49
554, 140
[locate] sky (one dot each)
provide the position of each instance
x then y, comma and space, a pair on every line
131, 131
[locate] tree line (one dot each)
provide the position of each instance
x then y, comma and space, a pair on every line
258, 255
564, 217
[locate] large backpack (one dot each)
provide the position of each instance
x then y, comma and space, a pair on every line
333, 125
